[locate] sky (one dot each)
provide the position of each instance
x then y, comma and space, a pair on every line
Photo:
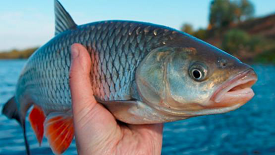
30, 23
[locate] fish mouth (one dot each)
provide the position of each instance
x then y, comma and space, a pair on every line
235, 91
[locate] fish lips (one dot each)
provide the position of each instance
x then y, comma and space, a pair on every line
236, 90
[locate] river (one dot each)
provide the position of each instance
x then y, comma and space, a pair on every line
248, 130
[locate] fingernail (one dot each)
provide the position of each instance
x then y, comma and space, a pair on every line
75, 52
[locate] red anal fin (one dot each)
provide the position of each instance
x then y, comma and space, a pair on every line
59, 131
37, 119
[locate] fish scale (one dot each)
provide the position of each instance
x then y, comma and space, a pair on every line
116, 49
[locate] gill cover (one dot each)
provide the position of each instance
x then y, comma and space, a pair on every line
155, 75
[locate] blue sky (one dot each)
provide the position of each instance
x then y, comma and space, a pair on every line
30, 23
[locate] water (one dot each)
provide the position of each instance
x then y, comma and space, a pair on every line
248, 130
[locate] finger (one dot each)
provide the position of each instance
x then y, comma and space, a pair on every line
80, 84
83, 101
92, 121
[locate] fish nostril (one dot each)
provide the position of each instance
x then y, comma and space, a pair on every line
222, 63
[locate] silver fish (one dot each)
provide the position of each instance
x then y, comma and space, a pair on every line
143, 73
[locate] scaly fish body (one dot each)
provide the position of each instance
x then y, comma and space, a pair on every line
116, 48
142, 73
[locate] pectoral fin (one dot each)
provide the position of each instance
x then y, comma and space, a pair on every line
134, 112
59, 131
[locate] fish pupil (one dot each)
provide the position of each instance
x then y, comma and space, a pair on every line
196, 74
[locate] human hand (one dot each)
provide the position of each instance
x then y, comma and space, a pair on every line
96, 129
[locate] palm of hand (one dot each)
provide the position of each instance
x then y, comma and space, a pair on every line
96, 130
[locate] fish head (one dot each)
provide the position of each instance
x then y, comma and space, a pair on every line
193, 81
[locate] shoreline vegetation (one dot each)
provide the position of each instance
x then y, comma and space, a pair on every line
232, 27
18, 54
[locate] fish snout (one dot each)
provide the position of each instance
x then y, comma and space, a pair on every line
236, 90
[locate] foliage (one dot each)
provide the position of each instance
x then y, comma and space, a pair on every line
266, 57
256, 43
236, 40
224, 13
201, 34
17, 54
188, 28
244, 10
221, 13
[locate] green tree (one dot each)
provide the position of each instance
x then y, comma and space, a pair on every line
246, 10
201, 33
188, 28
267, 56
234, 41
225, 12
221, 13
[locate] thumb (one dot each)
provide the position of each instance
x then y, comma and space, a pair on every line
92, 122
80, 84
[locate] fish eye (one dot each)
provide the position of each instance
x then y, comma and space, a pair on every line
198, 72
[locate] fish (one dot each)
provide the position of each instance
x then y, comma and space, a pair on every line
141, 72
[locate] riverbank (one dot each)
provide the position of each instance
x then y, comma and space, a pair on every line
265, 57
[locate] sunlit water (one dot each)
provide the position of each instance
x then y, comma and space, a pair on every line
248, 130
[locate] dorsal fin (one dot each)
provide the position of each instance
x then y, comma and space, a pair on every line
63, 20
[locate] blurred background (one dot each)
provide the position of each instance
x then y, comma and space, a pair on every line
243, 28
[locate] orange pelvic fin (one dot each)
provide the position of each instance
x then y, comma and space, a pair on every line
37, 119
59, 131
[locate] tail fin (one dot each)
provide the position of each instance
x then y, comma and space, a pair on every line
11, 111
